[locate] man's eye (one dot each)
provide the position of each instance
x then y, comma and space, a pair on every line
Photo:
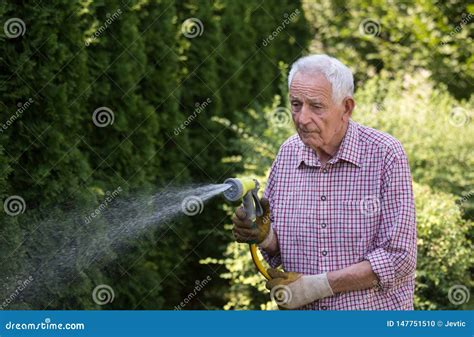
316, 106
295, 104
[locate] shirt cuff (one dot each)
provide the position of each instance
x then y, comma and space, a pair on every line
382, 266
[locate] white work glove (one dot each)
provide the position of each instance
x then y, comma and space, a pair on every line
292, 290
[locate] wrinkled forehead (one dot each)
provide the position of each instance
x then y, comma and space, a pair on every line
310, 86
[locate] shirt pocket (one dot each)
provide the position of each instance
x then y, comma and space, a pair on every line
355, 230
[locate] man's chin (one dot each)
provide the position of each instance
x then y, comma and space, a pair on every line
308, 140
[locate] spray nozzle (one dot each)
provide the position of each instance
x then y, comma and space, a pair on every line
239, 188
246, 189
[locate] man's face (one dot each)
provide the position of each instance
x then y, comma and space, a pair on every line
317, 118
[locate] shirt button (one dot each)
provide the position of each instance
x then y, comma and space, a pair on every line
325, 170
323, 198
324, 253
323, 225
323, 307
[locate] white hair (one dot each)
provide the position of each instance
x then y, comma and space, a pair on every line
336, 73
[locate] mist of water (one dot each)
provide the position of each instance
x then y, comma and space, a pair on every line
52, 255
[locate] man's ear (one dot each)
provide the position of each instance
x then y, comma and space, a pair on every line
348, 103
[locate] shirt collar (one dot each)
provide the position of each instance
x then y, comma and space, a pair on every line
348, 151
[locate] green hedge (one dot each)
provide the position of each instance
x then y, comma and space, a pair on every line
132, 58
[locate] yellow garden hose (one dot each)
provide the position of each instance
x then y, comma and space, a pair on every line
258, 263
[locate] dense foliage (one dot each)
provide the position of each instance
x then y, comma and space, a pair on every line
158, 70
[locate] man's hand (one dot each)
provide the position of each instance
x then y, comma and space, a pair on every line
246, 231
292, 290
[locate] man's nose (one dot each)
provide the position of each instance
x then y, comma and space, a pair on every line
305, 115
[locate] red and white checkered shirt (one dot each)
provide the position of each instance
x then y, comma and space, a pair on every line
359, 206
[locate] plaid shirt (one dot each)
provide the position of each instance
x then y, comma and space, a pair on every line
359, 206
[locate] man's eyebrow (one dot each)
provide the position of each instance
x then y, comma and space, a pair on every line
312, 100
315, 101
294, 97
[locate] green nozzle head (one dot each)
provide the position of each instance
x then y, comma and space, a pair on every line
239, 188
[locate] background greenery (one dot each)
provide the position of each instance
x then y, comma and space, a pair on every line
414, 79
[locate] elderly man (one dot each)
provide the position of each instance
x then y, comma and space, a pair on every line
340, 200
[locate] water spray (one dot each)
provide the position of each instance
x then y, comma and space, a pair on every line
247, 189
112, 227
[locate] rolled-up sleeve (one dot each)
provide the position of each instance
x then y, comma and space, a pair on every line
273, 261
394, 258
